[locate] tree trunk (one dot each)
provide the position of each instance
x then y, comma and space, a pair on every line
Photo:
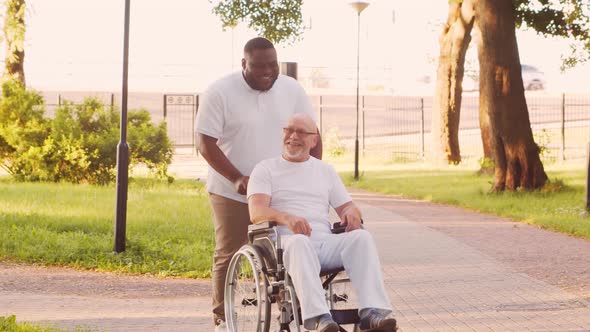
454, 41
504, 116
487, 164
14, 35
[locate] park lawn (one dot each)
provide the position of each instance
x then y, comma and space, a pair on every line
559, 206
9, 324
169, 226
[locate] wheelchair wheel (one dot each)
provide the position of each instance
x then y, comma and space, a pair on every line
247, 305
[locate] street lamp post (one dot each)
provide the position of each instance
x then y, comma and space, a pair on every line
123, 148
358, 6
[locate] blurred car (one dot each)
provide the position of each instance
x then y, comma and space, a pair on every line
532, 78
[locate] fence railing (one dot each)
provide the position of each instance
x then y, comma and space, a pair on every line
400, 127
397, 127
55, 100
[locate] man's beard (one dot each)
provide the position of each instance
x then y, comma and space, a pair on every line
293, 154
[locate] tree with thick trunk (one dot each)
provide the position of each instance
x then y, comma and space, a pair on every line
454, 41
504, 120
14, 37
504, 116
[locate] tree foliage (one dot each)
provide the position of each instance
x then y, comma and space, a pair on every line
561, 18
569, 19
277, 20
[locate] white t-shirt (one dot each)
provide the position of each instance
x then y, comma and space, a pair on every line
305, 189
247, 123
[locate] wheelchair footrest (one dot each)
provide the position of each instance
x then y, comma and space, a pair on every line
345, 316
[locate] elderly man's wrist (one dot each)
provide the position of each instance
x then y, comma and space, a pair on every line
282, 218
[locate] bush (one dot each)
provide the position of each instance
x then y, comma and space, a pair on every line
79, 145
23, 131
332, 143
149, 144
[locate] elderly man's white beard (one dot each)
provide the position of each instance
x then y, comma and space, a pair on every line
291, 155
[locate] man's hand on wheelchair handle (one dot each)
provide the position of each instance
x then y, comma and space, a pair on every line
241, 184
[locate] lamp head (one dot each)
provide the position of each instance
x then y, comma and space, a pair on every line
359, 5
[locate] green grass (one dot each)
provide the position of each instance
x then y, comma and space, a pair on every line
169, 227
559, 206
9, 324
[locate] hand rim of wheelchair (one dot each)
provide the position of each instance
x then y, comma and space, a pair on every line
262, 304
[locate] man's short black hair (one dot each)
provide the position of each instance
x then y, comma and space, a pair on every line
258, 43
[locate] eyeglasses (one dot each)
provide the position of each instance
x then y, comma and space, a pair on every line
299, 132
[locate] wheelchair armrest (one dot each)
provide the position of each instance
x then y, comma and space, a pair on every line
261, 228
263, 225
338, 228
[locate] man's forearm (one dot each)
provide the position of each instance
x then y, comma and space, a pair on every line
348, 209
260, 210
217, 159
260, 214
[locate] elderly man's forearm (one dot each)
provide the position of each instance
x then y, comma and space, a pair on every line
259, 215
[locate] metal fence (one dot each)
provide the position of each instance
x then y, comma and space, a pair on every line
400, 127
395, 127
180, 112
53, 100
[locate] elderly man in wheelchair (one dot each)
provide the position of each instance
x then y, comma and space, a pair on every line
288, 257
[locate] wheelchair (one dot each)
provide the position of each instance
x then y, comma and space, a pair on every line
257, 281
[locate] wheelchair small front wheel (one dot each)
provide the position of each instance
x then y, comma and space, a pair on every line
247, 305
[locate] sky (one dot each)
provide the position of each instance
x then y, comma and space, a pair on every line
179, 46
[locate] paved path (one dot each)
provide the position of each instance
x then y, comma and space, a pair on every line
445, 269
451, 270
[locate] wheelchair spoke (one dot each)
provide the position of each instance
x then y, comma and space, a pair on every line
246, 301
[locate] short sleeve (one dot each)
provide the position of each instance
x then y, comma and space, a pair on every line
210, 115
260, 180
338, 193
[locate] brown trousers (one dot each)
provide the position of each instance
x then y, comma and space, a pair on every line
231, 220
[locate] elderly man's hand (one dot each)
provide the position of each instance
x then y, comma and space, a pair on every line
297, 224
241, 184
351, 218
